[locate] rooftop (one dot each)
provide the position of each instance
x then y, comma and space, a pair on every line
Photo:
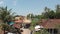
50, 23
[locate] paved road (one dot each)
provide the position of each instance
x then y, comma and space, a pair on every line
26, 31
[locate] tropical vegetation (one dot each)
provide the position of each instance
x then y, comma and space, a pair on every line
6, 15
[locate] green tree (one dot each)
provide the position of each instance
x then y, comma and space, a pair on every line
49, 14
38, 16
57, 8
47, 9
57, 12
30, 16
46, 13
5, 14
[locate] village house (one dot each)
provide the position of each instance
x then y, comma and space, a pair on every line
18, 21
51, 25
23, 21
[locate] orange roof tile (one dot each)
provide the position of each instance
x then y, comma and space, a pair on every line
50, 23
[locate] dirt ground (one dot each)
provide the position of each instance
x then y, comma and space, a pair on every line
26, 31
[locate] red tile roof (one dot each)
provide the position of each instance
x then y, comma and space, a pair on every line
50, 23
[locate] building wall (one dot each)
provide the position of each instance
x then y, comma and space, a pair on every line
53, 31
59, 31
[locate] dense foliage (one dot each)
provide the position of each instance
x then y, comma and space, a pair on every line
47, 14
5, 14
52, 14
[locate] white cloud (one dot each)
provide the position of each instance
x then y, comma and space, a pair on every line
1, 2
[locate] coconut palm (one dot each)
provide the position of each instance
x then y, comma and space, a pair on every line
5, 15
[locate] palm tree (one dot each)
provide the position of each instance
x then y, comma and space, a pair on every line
5, 15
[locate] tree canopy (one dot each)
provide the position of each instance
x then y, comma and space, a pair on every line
52, 14
5, 14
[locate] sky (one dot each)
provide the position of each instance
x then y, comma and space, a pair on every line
24, 7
